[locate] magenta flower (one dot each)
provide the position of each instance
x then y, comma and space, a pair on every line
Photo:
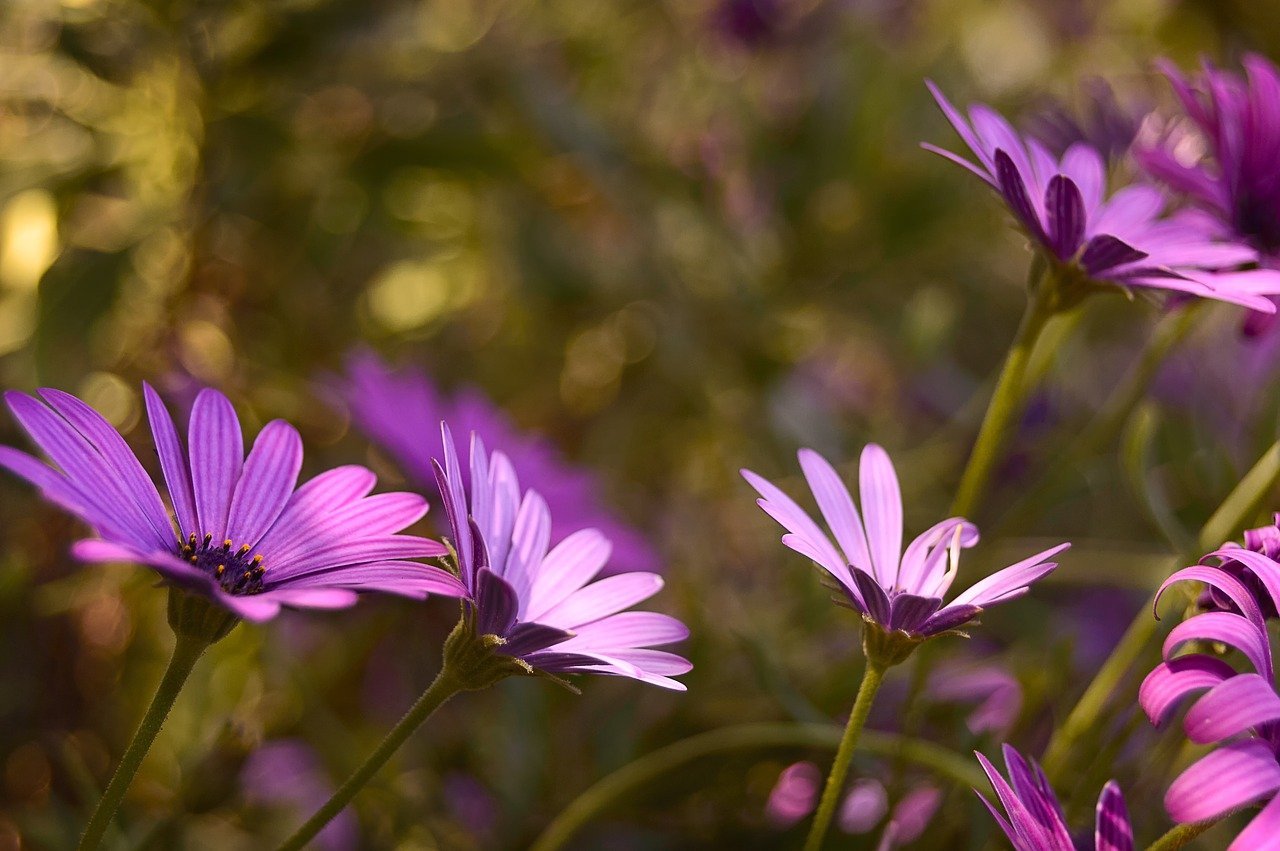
245, 536
1238, 122
288, 773
1126, 239
898, 591
1239, 709
794, 795
996, 691
1033, 819
395, 407
540, 599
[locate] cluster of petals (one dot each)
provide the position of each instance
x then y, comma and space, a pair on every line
395, 407
1033, 819
541, 599
795, 796
1128, 238
241, 531
899, 590
1238, 710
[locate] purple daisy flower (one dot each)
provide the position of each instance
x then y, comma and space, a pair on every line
898, 591
1127, 239
245, 536
1226, 164
395, 407
539, 599
1239, 709
1033, 819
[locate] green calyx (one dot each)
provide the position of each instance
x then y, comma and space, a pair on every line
888, 647
472, 660
196, 617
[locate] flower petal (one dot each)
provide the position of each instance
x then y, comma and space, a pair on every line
1112, 831
1169, 682
1232, 776
269, 478
173, 462
216, 447
1241, 702
604, 597
881, 511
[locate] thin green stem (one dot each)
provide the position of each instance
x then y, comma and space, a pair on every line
1225, 523
649, 768
441, 689
1110, 418
1002, 411
872, 676
1181, 834
186, 651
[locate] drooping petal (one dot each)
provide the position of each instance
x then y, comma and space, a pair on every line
1227, 627
1239, 703
1262, 833
1232, 776
1170, 682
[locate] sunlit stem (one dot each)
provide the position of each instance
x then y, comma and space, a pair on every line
872, 676
186, 651
441, 689
1181, 834
1227, 522
1006, 404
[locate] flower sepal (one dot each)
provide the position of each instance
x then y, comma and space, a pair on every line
472, 659
196, 617
885, 648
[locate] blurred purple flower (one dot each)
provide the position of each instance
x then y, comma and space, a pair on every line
1104, 124
911, 816
246, 536
544, 604
864, 805
1033, 819
397, 407
287, 773
794, 796
471, 803
1241, 707
1127, 239
998, 692
898, 591
1227, 166
751, 23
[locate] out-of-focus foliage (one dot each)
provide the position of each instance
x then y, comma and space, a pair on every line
676, 237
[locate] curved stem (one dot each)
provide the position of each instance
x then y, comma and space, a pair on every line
441, 689
1225, 523
1180, 835
186, 650
871, 679
1002, 411
616, 786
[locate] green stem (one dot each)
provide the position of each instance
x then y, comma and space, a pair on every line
1181, 834
441, 689
1225, 524
186, 650
1002, 411
1110, 418
649, 768
871, 679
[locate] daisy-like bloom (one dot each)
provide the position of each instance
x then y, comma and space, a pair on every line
395, 407
1033, 819
900, 593
241, 532
1225, 162
1093, 240
540, 600
1239, 709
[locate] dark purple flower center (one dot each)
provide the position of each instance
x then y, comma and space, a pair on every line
1259, 219
235, 571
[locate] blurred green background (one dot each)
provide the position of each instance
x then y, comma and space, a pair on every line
677, 238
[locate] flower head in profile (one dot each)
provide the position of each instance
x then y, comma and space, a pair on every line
1239, 709
1093, 239
395, 407
539, 600
899, 592
241, 532
1033, 819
